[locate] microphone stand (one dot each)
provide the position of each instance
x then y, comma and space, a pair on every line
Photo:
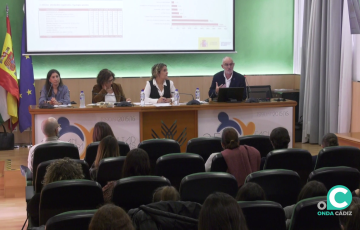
193, 101
46, 105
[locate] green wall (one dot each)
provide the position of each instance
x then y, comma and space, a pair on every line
264, 45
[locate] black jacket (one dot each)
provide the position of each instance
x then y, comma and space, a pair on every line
237, 80
166, 215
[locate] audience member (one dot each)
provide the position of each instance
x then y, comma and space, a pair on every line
328, 140
221, 211
351, 222
136, 163
240, 159
110, 217
250, 192
166, 193
101, 130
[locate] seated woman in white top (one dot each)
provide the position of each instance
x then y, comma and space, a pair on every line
159, 89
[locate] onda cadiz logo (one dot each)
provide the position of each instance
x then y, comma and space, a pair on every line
338, 198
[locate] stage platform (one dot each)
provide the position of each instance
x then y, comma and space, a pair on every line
349, 139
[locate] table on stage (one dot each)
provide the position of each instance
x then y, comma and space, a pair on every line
181, 123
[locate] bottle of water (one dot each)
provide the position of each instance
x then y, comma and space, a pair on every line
197, 94
82, 99
176, 97
142, 98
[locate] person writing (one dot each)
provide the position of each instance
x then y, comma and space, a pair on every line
159, 89
106, 90
54, 91
227, 78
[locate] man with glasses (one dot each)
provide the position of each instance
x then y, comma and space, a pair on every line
227, 78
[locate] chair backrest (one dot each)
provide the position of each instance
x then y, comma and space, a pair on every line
69, 195
176, 166
264, 215
338, 156
53, 150
332, 176
197, 187
204, 146
110, 169
298, 160
91, 151
305, 216
280, 185
156, 148
131, 192
218, 163
260, 142
259, 91
41, 171
73, 220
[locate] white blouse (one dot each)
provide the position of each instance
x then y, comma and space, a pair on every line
147, 91
110, 97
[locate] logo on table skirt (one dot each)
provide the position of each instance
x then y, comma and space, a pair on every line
170, 133
237, 124
339, 197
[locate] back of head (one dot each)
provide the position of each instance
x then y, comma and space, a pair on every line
50, 127
136, 163
351, 222
312, 189
101, 130
155, 70
221, 211
63, 169
250, 192
329, 139
280, 138
166, 193
229, 138
108, 147
110, 217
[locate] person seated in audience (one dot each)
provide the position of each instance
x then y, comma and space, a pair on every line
221, 211
250, 192
166, 193
159, 89
311, 189
137, 163
101, 130
106, 90
61, 169
351, 222
328, 140
110, 217
240, 159
54, 91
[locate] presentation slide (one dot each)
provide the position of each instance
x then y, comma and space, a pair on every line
98, 26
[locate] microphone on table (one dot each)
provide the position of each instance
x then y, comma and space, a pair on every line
193, 101
117, 104
45, 104
248, 91
248, 88
211, 96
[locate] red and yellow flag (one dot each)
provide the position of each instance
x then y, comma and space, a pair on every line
8, 79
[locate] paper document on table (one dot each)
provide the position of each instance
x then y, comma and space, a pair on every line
162, 104
62, 106
138, 103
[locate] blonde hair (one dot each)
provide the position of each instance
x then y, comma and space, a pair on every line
166, 193
155, 70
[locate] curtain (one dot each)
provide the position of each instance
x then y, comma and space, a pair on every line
298, 31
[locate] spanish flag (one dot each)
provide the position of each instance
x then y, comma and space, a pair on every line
9, 88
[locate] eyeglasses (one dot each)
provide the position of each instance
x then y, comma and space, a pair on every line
227, 65
111, 81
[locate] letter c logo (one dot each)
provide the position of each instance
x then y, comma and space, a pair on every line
332, 198
343, 198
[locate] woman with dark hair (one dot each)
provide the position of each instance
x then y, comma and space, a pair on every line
106, 90
159, 89
110, 217
250, 192
136, 163
101, 130
54, 91
351, 222
221, 211
280, 138
166, 193
241, 160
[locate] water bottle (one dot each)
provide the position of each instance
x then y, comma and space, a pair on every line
142, 98
82, 99
176, 97
197, 94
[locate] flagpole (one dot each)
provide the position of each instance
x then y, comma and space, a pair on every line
7, 10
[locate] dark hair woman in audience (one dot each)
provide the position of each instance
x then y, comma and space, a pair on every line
137, 163
101, 130
250, 192
328, 140
221, 211
110, 217
166, 193
240, 159
351, 222
54, 91
106, 90
311, 189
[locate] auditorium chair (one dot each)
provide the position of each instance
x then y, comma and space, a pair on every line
73, 220
69, 195
176, 166
305, 216
298, 160
264, 215
260, 142
156, 148
218, 163
204, 146
338, 156
131, 192
197, 187
91, 151
110, 169
332, 176
280, 185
